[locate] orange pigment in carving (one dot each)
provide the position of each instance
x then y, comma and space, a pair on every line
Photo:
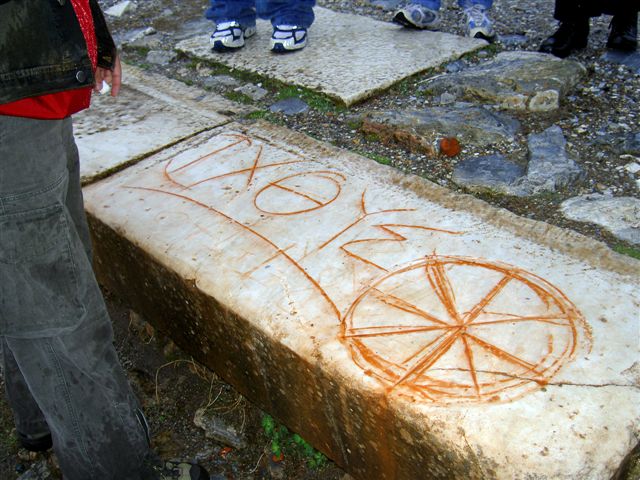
414, 374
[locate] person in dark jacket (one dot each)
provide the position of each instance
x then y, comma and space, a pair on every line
573, 31
63, 379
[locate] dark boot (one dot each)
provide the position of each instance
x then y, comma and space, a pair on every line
40, 443
623, 32
570, 36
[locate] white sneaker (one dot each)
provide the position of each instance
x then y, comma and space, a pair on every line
417, 16
288, 38
230, 36
478, 24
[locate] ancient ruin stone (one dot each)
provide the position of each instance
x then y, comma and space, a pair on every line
549, 167
349, 71
422, 130
619, 215
493, 172
513, 80
398, 327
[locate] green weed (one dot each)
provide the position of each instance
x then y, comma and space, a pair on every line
630, 251
315, 100
265, 115
377, 157
284, 442
239, 97
354, 124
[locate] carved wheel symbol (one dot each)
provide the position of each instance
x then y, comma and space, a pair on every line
458, 329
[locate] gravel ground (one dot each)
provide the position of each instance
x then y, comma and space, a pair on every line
601, 110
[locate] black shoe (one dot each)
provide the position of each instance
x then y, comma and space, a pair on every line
623, 34
39, 443
569, 37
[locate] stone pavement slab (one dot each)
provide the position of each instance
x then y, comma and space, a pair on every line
349, 57
404, 330
151, 113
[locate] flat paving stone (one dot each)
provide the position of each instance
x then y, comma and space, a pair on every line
151, 113
398, 327
619, 215
348, 57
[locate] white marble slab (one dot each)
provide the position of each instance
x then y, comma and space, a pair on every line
506, 341
348, 57
150, 113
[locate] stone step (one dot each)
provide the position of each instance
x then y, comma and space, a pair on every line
151, 113
347, 57
406, 331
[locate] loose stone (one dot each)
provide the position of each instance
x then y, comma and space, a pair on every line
491, 172
549, 166
290, 106
120, 9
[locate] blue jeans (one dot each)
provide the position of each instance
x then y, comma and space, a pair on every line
435, 4
280, 12
62, 374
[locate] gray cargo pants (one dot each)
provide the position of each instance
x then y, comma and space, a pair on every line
61, 371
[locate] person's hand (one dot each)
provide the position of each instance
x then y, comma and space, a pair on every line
112, 77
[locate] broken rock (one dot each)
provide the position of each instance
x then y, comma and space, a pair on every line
513, 80
494, 172
216, 429
419, 130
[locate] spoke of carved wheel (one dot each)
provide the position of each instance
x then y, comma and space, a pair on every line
472, 369
509, 318
405, 306
477, 309
504, 355
448, 339
385, 330
439, 281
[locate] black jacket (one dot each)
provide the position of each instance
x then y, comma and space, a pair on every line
42, 49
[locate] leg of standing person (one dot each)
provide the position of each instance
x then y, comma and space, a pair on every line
478, 24
623, 29
64, 382
63, 375
421, 14
290, 20
573, 31
235, 22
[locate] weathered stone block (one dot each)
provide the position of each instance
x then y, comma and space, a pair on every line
405, 331
348, 71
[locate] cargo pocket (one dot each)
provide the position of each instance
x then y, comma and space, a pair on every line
39, 292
